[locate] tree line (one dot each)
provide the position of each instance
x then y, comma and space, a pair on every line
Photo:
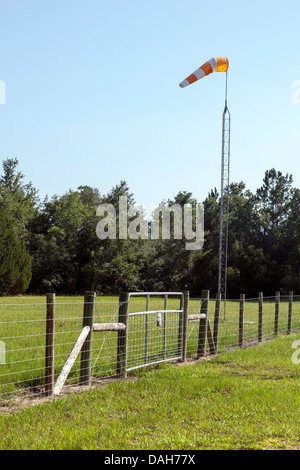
52, 246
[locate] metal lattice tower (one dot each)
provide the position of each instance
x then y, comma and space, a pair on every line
224, 211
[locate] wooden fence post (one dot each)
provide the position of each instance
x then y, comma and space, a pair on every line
241, 320
49, 353
277, 302
123, 335
203, 324
260, 316
210, 338
70, 361
185, 313
216, 320
291, 295
86, 351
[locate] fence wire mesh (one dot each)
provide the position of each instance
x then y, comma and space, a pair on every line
23, 339
229, 321
154, 335
154, 330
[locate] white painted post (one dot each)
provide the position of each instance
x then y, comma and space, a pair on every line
70, 361
2, 352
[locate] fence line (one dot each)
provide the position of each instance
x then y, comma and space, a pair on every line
37, 338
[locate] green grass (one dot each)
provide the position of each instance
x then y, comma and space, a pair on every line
242, 399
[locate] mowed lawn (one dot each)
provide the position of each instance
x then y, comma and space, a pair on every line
243, 399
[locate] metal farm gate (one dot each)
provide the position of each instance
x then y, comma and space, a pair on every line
155, 328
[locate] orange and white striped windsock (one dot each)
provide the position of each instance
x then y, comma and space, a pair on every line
216, 64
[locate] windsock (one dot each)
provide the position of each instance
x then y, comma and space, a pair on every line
216, 64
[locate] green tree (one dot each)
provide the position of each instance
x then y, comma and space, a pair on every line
291, 277
118, 262
17, 207
168, 262
277, 204
20, 198
54, 243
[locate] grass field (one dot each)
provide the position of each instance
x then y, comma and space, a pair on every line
22, 329
241, 399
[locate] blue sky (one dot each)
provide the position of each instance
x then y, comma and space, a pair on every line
92, 95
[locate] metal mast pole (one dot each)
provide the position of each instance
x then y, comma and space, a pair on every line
223, 240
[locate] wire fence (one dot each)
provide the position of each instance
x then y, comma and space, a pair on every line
23, 338
155, 329
154, 334
257, 321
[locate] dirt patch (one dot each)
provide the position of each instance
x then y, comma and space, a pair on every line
18, 403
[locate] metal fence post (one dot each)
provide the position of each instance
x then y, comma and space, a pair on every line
185, 308
86, 351
289, 328
277, 302
203, 324
49, 352
260, 316
165, 326
216, 321
147, 329
241, 320
123, 335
